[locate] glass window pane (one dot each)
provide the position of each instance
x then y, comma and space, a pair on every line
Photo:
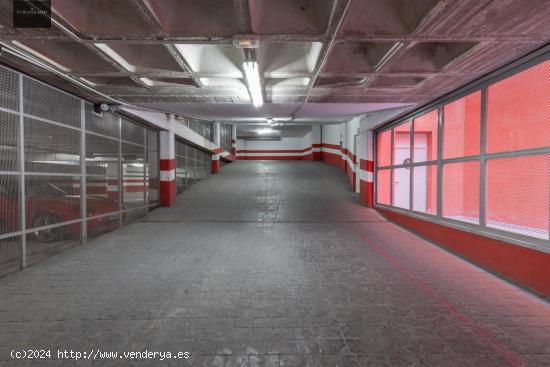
517, 111
461, 127
383, 148
383, 186
425, 189
425, 137
401, 187
517, 194
461, 191
402, 144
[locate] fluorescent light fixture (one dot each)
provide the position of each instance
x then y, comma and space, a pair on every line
113, 55
147, 81
252, 76
40, 56
89, 82
265, 131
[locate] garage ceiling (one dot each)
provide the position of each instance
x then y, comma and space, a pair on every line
353, 55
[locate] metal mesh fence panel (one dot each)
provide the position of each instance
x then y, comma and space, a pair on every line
132, 132
9, 204
42, 243
133, 186
517, 111
102, 156
152, 167
517, 194
425, 189
383, 148
402, 144
105, 123
461, 126
49, 103
8, 141
383, 184
181, 167
425, 137
491, 168
51, 148
9, 89
461, 191
51, 201
10, 254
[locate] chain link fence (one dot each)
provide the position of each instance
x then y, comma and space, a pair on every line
67, 174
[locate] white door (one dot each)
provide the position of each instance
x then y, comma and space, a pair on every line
401, 176
420, 173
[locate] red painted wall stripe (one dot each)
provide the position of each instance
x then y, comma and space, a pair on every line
366, 165
167, 193
331, 146
167, 164
216, 166
366, 193
275, 151
519, 264
276, 158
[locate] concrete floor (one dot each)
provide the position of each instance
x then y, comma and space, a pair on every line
271, 264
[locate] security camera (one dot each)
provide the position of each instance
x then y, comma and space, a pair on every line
101, 107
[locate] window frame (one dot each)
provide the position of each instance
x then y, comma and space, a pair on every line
481, 85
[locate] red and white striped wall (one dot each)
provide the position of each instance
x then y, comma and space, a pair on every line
316, 143
167, 168
296, 148
219, 153
331, 154
366, 169
349, 160
275, 154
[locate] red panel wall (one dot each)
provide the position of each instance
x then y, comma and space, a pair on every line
522, 265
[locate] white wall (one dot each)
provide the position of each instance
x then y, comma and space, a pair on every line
331, 134
296, 144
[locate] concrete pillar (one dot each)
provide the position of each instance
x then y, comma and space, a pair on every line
366, 169
167, 168
216, 157
316, 143
234, 140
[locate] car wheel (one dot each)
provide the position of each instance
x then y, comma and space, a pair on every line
49, 234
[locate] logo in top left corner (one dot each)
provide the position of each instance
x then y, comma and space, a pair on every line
32, 13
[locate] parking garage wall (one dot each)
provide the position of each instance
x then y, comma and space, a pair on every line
284, 149
338, 148
472, 172
331, 145
66, 173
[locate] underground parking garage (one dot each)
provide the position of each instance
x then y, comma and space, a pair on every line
275, 183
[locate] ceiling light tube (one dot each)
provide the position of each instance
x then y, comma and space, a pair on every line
113, 55
148, 82
252, 76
